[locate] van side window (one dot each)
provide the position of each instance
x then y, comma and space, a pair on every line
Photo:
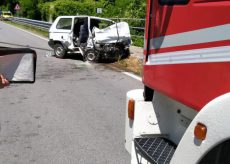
64, 23
103, 24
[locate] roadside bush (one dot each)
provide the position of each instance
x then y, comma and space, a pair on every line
68, 7
29, 9
4, 8
138, 41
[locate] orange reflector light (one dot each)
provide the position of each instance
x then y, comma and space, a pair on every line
200, 131
131, 105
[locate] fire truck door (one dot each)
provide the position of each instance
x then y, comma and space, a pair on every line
178, 32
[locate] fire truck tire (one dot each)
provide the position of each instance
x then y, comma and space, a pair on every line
59, 50
148, 93
213, 156
91, 56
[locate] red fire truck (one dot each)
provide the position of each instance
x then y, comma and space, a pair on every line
182, 115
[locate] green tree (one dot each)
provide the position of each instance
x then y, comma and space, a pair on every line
30, 9
37, 9
68, 7
8, 5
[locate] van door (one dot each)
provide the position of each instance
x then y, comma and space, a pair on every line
61, 30
77, 33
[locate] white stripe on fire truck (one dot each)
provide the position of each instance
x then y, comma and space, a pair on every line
205, 55
212, 34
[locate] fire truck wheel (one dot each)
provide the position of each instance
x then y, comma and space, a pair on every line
59, 50
148, 93
91, 56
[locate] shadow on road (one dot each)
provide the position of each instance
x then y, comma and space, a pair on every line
74, 57
80, 58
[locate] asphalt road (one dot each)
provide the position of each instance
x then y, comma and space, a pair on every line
73, 114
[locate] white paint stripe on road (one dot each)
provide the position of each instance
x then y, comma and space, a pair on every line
127, 73
31, 33
133, 76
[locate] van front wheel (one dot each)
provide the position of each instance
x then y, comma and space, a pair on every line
91, 56
59, 50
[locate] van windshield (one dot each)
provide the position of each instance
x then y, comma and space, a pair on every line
100, 23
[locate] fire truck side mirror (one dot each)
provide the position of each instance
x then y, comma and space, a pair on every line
173, 2
18, 65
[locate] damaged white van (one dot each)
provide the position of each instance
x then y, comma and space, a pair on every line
92, 37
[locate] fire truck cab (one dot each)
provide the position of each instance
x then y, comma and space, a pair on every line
182, 115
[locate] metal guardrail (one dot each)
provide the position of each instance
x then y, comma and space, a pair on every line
46, 25
136, 19
31, 22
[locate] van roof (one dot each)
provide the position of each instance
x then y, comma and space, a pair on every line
83, 16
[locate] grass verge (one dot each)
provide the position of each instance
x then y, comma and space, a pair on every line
32, 29
132, 64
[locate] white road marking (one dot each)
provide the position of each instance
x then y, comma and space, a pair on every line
133, 76
127, 73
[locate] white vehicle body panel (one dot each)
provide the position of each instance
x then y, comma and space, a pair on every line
215, 115
137, 96
117, 32
64, 36
168, 118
